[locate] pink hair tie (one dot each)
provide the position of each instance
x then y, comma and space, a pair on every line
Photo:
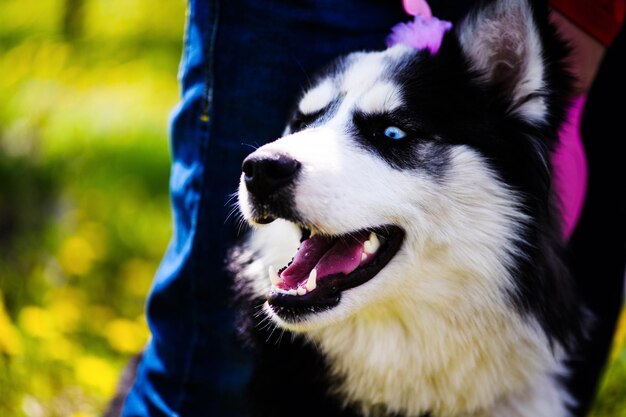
417, 8
424, 32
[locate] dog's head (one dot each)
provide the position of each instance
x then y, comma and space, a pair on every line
414, 177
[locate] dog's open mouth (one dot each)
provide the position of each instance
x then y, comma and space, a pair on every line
324, 266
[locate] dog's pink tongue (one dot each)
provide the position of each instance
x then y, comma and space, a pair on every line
327, 255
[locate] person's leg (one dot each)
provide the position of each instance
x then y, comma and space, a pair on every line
244, 63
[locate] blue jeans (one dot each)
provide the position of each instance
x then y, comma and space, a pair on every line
244, 63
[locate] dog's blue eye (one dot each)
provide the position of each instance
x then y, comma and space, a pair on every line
394, 133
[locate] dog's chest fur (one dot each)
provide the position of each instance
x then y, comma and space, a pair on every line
457, 364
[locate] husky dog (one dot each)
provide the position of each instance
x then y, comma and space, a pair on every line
414, 251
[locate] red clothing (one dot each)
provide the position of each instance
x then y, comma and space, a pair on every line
601, 19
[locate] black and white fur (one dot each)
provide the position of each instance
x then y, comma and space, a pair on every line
476, 313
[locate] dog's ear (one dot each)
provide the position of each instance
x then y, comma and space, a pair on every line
502, 42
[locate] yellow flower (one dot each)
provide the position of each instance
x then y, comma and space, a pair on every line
126, 336
10, 340
37, 322
65, 313
96, 373
76, 255
82, 414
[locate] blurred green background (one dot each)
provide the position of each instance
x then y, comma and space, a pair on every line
86, 87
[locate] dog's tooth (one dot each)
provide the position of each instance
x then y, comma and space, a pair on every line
374, 240
274, 278
311, 282
301, 290
363, 256
292, 292
371, 245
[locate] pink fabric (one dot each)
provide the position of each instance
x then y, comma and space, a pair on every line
417, 8
424, 32
570, 168
420, 33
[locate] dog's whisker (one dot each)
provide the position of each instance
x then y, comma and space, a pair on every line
255, 146
264, 324
230, 213
241, 225
259, 313
231, 197
271, 333
280, 337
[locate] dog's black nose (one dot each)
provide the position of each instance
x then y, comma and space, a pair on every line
265, 175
